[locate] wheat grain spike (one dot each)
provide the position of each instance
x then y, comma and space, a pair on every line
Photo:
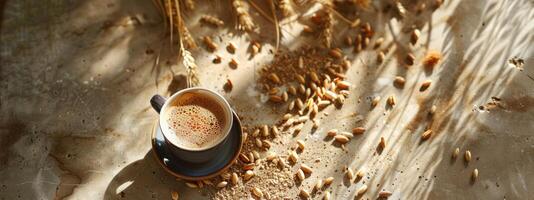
191, 68
244, 20
286, 8
328, 27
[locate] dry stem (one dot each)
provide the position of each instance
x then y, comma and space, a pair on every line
276, 25
188, 60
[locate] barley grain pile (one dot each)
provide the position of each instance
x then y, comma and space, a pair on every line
300, 82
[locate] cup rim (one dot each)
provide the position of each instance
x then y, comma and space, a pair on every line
226, 131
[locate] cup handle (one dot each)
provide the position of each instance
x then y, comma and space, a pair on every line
157, 102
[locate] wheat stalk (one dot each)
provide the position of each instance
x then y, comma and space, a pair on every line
187, 58
267, 16
176, 21
276, 25
168, 10
186, 36
328, 5
328, 27
262, 13
171, 8
191, 67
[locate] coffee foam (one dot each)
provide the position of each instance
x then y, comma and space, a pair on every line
196, 120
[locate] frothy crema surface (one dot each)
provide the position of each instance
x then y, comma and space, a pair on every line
196, 120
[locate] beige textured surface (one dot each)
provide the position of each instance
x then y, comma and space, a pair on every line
76, 78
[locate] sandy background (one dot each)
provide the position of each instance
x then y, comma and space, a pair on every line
76, 77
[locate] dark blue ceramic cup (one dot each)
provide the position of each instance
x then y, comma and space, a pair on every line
200, 154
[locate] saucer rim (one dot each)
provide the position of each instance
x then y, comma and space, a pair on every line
196, 178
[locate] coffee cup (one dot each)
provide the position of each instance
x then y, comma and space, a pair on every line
195, 123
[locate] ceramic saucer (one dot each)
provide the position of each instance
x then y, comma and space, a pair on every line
198, 171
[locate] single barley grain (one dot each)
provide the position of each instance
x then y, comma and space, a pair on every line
217, 59
304, 193
233, 63
285, 97
426, 135
336, 53
415, 36
257, 192
346, 134
382, 143
399, 81
274, 78
209, 43
330, 95
332, 132
349, 173
222, 184
270, 156
306, 169
343, 85
275, 98
259, 144
360, 174
384, 194
467, 156
248, 175
425, 85
341, 139
361, 190
392, 101
293, 157
358, 130
301, 145
300, 175
375, 101
244, 158
175, 195
256, 133
292, 90
380, 57
265, 131
191, 185
318, 185
300, 79
329, 180
212, 20
275, 131
231, 48
455, 153
431, 59
474, 176
326, 195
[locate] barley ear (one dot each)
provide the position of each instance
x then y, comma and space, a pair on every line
191, 68
187, 59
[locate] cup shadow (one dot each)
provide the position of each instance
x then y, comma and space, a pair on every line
146, 179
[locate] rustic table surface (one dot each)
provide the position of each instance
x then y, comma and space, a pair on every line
76, 77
